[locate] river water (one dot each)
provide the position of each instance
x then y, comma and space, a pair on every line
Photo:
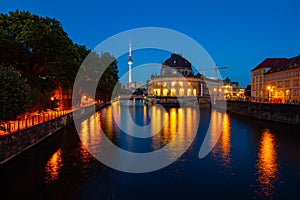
251, 159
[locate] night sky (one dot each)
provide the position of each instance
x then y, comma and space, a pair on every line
237, 34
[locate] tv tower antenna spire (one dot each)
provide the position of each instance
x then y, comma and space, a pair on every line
130, 63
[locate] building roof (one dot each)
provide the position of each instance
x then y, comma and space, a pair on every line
279, 64
177, 61
270, 62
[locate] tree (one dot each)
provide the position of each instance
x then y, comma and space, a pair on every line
41, 50
97, 66
109, 78
138, 91
15, 94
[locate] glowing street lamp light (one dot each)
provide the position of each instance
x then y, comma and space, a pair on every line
270, 89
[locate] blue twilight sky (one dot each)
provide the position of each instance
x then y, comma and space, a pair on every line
239, 34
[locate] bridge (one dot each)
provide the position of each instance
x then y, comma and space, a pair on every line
171, 101
130, 97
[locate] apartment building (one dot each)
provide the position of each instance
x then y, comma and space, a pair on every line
276, 80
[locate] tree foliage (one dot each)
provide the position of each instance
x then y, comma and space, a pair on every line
99, 76
41, 50
109, 78
15, 94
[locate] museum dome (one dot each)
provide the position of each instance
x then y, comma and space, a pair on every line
176, 60
176, 64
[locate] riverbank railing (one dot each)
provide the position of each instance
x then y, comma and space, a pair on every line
30, 120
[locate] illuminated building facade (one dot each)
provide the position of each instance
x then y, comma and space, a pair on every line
177, 79
64, 97
276, 80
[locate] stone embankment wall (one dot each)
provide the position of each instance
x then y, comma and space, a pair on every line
283, 113
13, 144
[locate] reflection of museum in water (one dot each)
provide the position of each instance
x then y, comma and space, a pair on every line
177, 79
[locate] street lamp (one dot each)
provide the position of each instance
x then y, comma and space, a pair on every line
226, 93
270, 89
289, 93
215, 95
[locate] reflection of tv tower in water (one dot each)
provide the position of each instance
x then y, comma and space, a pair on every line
130, 84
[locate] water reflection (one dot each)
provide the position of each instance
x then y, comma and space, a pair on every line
216, 124
257, 166
221, 150
53, 166
90, 131
173, 123
267, 165
178, 128
108, 121
225, 140
178, 121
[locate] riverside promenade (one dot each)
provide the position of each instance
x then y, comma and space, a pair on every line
31, 119
18, 140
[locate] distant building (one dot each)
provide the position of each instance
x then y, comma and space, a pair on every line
131, 85
247, 93
177, 79
64, 97
232, 90
276, 80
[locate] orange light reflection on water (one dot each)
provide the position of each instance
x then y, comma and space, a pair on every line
225, 140
214, 129
173, 123
53, 166
221, 137
89, 135
267, 166
178, 126
109, 122
156, 120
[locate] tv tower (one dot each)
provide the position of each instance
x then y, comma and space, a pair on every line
129, 63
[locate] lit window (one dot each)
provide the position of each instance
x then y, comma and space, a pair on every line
181, 92
173, 92
189, 92
165, 92
158, 92
287, 93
